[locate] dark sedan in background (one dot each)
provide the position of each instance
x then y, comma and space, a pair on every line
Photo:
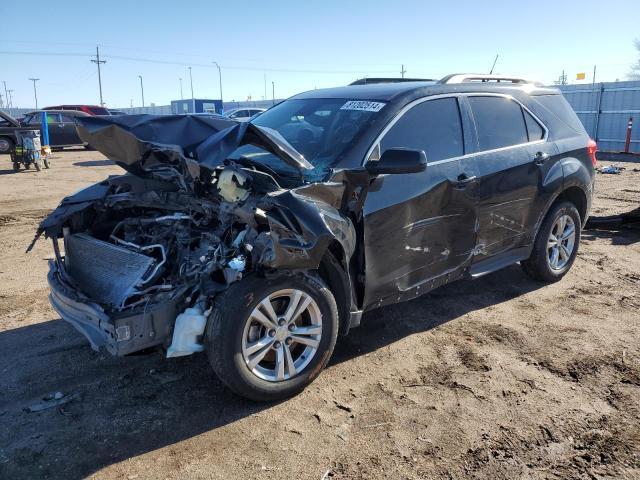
62, 128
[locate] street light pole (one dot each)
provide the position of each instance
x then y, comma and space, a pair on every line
181, 97
141, 89
35, 93
273, 92
219, 79
193, 100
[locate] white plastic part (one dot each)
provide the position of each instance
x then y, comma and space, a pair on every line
189, 326
238, 263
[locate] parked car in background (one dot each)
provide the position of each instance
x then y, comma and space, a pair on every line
62, 126
88, 109
8, 126
116, 112
243, 114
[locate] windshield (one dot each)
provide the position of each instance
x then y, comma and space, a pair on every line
319, 129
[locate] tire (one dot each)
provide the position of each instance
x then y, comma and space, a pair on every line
38, 165
6, 145
540, 265
46, 163
230, 324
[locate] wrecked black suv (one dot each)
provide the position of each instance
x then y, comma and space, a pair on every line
260, 242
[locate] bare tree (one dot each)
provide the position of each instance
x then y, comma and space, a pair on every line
634, 73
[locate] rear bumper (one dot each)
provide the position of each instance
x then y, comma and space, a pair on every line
120, 334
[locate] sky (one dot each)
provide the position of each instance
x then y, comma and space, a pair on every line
285, 47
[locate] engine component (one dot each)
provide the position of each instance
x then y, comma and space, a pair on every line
233, 185
105, 272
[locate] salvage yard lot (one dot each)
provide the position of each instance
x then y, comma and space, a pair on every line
498, 378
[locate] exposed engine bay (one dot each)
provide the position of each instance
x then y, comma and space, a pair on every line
136, 250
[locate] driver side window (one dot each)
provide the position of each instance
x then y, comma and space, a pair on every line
433, 126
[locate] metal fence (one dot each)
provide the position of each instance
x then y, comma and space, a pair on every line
605, 110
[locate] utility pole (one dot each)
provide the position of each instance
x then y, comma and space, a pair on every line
402, 71
181, 97
97, 61
273, 92
10, 101
141, 89
494, 64
1, 103
35, 93
219, 79
6, 95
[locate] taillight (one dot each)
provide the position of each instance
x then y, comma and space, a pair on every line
592, 148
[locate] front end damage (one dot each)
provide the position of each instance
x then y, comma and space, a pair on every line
140, 258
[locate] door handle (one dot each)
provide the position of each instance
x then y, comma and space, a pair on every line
464, 179
540, 158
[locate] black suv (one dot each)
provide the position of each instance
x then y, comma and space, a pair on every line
260, 242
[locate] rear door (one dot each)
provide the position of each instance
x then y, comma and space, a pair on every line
419, 227
509, 164
68, 127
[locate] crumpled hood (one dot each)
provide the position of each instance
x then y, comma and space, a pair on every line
178, 147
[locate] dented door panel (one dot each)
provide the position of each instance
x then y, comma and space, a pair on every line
416, 227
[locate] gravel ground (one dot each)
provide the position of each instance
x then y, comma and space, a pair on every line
497, 378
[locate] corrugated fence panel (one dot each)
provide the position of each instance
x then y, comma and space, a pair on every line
605, 109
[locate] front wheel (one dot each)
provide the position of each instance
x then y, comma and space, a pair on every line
556, 244
267, 339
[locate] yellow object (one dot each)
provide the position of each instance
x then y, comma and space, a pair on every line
46, 150
581, 76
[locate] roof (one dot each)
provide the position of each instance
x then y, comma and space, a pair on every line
396, 90
66, 112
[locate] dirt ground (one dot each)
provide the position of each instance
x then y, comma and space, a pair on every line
497, 378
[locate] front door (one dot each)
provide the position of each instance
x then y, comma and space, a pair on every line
419, 228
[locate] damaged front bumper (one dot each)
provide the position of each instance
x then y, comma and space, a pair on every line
120, 334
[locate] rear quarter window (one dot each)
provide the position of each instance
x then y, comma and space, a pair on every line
558, 106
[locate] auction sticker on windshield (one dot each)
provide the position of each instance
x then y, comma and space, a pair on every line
363, 105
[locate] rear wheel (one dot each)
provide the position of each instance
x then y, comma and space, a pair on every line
267, 339
556, 245
6, 145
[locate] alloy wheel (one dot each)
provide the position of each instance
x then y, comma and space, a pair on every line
282, 335
561, 242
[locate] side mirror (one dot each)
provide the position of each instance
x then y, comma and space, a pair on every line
398, 160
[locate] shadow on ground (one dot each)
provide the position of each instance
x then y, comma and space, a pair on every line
94, 163
130, 406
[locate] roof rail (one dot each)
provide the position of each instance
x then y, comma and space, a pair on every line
484, 78
370, 80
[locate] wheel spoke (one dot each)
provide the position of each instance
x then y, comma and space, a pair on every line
311, 330
296, 306
257, 358
268, 308
258, 345
564, 253
568, 232
312, 342
291, 368
258, 316
554, 257
280, 363
553, 241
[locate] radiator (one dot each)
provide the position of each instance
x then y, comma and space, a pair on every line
105, 272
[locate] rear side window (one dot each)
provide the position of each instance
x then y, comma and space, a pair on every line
68, 119
499, 122
433, 126
97, 110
